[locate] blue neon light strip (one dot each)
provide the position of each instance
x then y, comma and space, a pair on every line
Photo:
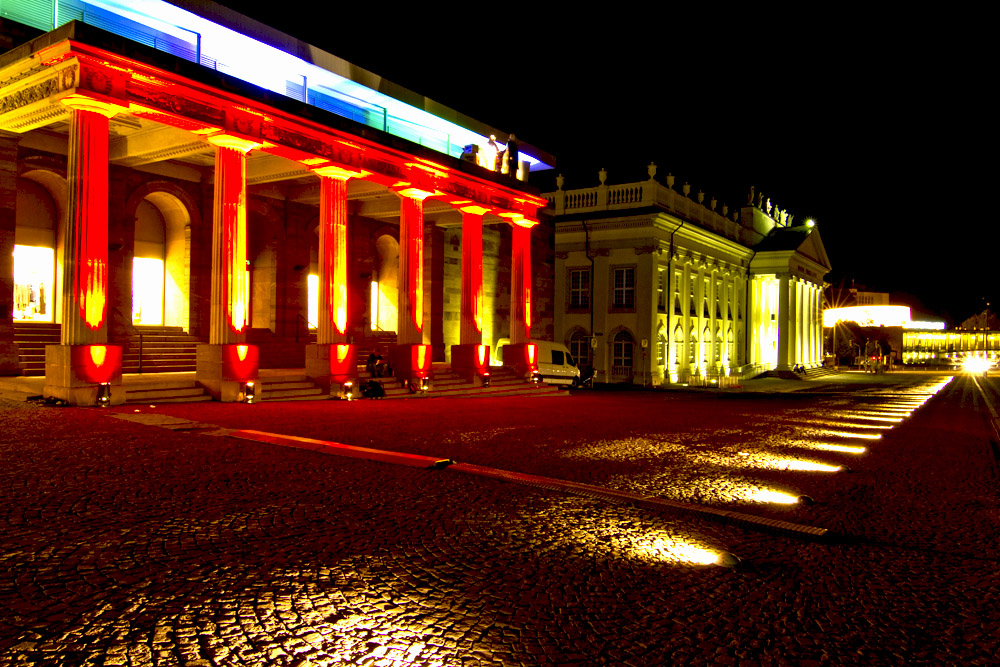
168, 28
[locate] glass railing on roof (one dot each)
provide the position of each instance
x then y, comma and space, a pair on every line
168, 28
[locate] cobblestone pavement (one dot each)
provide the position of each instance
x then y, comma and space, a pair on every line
164, 541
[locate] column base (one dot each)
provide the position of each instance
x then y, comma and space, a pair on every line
521, 357
84, 375
225, 371
411, 364
10, 362
332, 366
471, 361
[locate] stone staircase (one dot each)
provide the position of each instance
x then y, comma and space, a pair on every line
447, 384
163, 350
809, 374
820, 371
163, 390
288, 386
31, 339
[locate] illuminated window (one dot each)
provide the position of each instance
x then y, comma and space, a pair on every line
661, 291
579, 289
678, 345
623, 291
33, 279
313, 287
692, 309
147, 291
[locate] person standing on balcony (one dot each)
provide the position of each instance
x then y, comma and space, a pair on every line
511, 156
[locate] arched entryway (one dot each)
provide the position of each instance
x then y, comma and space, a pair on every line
161, 267
385, 285
36, 245
622, 355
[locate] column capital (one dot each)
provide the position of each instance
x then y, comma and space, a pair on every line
473, 209
339, 173
411, 192
241, 144
518, 219
79, 102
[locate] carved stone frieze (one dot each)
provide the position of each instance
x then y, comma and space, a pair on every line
382, 167
159, 97
285, 137
58, 82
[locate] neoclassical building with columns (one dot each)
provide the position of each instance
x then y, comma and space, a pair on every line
263, 196
655, 286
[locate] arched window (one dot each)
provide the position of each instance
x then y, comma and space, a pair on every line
579, 346
661, 349
692, 347
678, 345
622, 348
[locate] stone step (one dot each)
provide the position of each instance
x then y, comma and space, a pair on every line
267, 385
166, 391
160, 394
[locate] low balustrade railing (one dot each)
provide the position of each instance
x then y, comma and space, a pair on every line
646, 193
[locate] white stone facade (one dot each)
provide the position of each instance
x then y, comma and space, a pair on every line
652, 286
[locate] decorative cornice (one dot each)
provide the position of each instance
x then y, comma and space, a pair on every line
57, 82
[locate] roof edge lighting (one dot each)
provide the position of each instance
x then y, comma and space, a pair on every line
221, 39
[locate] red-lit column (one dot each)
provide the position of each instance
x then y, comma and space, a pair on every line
520, 282
470, 358
85, 255
520, 354
471, 332
227, 366
332, 362
410, 328
230, 278
332, 325
411, 358
84, 369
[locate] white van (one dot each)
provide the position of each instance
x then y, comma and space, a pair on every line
555, 363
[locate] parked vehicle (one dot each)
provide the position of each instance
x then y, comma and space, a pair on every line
555, 365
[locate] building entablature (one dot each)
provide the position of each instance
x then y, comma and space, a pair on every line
161, 114
788, 264
647, 228
794, 252
746, 225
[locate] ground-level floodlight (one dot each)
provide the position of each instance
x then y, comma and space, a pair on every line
249, 392
104, 394
347, 391
727, 559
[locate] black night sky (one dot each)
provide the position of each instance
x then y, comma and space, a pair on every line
874, 126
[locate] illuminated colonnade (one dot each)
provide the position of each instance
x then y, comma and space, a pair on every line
100, 83
932, 347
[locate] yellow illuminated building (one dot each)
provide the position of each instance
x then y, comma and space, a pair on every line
657, 285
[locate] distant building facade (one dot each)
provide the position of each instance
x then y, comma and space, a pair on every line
654, 286
978, 336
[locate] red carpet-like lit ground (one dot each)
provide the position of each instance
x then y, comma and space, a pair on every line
125, 543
